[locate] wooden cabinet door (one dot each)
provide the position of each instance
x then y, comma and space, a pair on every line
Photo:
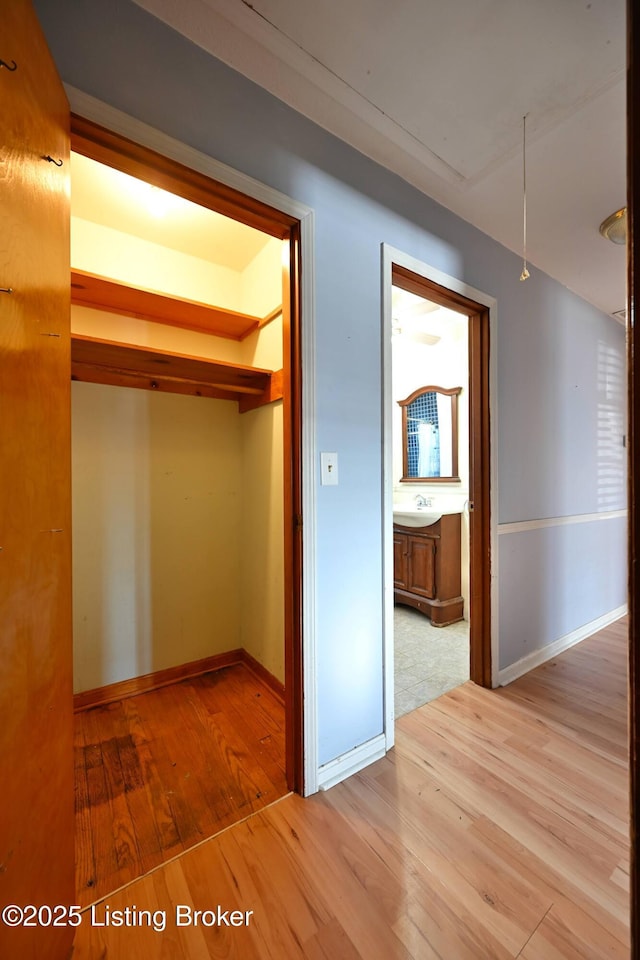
400, 560
421, 566
36, 754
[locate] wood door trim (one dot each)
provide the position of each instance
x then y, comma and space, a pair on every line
95, 141
480, 497
479, 460
293, 539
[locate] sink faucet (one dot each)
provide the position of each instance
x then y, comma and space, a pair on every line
422, 501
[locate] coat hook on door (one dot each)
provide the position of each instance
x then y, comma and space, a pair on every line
3, 63
58, 163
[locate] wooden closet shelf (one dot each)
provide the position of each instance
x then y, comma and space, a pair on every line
122, 364
100, 293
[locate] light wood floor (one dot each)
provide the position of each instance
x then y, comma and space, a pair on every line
161, 771
496, 828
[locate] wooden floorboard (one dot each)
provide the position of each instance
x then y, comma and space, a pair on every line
496, 829
161, 771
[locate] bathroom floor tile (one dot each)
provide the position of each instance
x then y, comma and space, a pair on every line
428, 660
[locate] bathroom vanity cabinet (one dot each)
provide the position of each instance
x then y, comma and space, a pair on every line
426, 568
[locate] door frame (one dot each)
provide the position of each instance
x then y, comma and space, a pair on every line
109, 136
431, 283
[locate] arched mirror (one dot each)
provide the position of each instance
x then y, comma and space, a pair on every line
430, 435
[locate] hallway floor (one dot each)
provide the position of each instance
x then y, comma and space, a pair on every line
428, 660
496, 828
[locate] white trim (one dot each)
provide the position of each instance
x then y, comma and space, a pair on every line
120, 123
387, 501
349, 763
391, 256
551, 650
309, 487
523, 525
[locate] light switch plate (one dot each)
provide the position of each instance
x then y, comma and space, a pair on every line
329, 469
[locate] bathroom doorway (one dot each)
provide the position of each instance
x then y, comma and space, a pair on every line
430, 416
438, 533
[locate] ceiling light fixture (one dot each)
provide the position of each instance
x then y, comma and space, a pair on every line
614, 228
155, 200
160, 202
525, 273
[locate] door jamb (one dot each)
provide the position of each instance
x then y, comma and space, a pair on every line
433, 284
267, 209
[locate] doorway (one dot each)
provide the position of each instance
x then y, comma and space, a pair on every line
165, 373
405, 556
430, 416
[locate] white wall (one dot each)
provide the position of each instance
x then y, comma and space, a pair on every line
261, 284
262, 561
178, 501
256, 290
113, 326
262, 538
157, 482
119, 256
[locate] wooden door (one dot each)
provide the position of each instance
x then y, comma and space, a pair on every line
36, 758
400, 560
421, 568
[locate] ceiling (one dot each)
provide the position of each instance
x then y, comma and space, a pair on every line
116, 200
421, 321
437, 91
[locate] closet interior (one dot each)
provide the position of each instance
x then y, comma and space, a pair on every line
178, 550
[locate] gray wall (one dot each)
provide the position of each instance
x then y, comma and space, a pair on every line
553, 396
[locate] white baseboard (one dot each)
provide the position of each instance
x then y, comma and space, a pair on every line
538, 657
349, 763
